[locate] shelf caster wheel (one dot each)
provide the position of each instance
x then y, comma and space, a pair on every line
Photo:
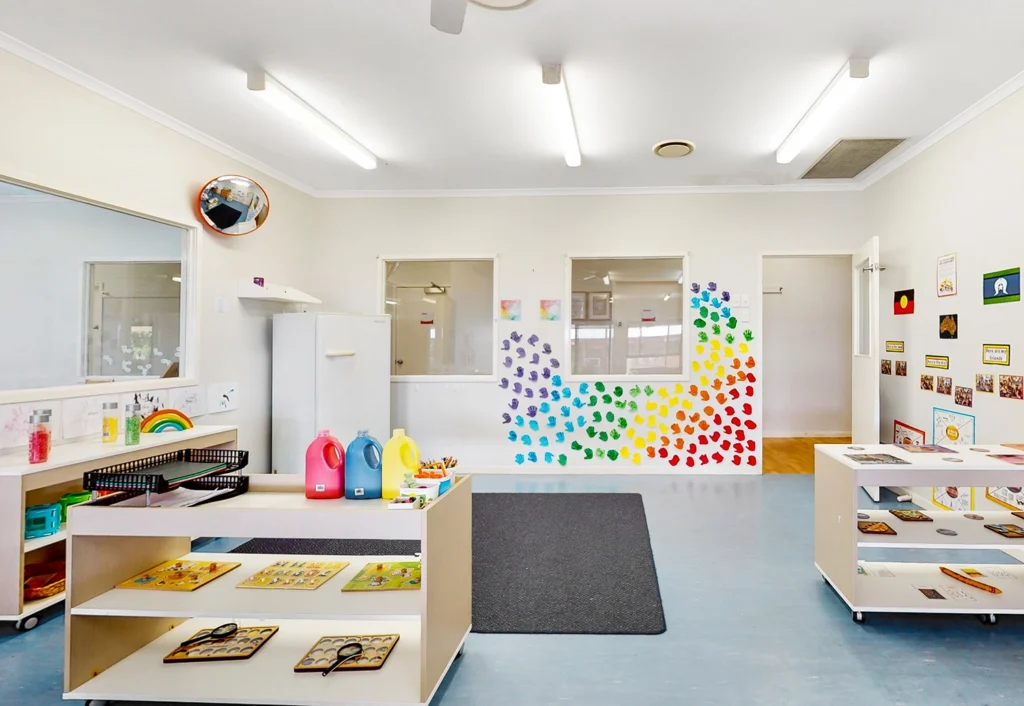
462, 651
989, 619
26, 624
96, 702
858, 617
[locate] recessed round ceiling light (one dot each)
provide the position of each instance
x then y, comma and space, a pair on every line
502, 4
673, 149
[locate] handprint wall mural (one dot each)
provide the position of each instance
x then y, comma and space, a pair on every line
704, 421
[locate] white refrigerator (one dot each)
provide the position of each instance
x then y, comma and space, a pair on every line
331, 371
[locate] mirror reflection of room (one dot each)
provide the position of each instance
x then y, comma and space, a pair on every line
98, 292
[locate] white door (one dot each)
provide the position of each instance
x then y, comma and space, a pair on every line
866, 356
353, 385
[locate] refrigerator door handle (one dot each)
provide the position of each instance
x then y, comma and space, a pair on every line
340, 354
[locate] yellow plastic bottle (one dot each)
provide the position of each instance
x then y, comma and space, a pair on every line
401, 456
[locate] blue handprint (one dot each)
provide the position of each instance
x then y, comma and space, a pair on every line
695, 303
543, 441
555, 395
552, 421
560, 438
584, 387
520, 459
569, 428
545, 408
578, 402
556, 381
534, 425
565, 411
581, 421
705, 296
548, 457
532, 456
519, 420
512, 436
527, 441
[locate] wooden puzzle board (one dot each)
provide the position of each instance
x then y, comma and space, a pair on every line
179, 575
387, 576
376, 650
243, 645
295, 575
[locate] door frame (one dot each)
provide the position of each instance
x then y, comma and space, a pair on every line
759, 320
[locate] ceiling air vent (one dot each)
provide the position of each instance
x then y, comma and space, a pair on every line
848, 158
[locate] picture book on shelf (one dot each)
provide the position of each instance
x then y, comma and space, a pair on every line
386, 576
880, 459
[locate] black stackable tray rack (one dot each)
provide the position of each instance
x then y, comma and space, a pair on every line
143, 476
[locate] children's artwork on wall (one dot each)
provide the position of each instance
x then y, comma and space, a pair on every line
550, 309
1012, 498
928, 383
949, 427
1011, 387
1001, 287
886, 367
187, 400
703, 423
954, 499
148, 401
995, 354
903, 302
14, 421
944, 385
83, 416
221, 397
905, 435
895, 347
964, 396
937, 361
511, 309
948, 324
901, 368
983, 382
945, 275
579, 306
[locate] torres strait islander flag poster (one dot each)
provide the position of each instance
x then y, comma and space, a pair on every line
903, 302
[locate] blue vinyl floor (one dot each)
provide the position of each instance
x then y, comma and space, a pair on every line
750, 621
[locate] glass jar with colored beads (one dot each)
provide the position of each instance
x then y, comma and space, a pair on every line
110, 422
39, 438
132, 424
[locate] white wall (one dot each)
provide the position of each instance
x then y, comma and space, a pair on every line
808, 332
964, 196
56, 134
532, 237
46, 244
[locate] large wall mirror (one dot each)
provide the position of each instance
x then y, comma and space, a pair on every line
90, 294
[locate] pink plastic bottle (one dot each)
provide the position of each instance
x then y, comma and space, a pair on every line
325, 467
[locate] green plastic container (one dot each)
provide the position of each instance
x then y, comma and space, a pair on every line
70, 499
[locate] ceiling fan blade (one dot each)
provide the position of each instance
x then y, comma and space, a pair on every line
448, 15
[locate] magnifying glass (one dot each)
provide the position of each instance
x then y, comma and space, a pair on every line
346, 653
221, 632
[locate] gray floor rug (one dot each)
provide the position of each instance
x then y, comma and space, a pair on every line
553, 563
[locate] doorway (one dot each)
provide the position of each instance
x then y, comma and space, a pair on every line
807, 320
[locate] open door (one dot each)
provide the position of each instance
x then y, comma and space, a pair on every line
866, 356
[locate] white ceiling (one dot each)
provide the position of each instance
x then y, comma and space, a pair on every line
466, 113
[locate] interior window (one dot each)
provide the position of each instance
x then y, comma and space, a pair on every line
627, 316
442, 316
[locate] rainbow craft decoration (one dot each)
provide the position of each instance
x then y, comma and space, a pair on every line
165, 420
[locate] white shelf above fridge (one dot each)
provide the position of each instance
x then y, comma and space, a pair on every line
271, 292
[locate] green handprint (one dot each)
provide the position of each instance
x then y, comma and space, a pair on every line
613, 455
633, 406
748, 335
576, 446
716, 329
715, 316
621, 404
617, 391
597, 417
731, 323
603, 436
700, 323
648, 390
703, 312
562, 459
591, 432
623, 423
702, 337
729, 338
593, 401
599, 386
588, 454
609, 416
606, 398
615, 434
634, 391
600, 453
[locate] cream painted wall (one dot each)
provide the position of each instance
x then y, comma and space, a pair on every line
61, 136
532, 238
963, 196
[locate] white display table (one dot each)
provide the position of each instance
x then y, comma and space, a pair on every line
23, 485
116, 638
893, 587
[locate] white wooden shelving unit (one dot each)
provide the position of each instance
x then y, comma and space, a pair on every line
23, 485
892, 587
116, 638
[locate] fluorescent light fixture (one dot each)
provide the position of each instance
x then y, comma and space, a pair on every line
589, 277
391, 302
667, 297
176, 279
828, 104
240, 182
558, 96
315, 123
607, 280
428, 300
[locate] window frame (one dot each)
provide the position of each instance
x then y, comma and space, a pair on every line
684, 373
382, 277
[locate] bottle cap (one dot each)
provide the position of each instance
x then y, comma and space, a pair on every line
133, 408
41, 411
39, 418
363, 432
398, 432
110, 405
322, 433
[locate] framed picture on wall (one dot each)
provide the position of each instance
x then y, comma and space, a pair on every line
579, 306
599, 306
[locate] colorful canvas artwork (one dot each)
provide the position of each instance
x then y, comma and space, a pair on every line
511, 309
550, 309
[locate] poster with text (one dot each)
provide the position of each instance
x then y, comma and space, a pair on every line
905, 435
946, 275
949, 427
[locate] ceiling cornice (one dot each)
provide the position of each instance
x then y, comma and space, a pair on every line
868, 179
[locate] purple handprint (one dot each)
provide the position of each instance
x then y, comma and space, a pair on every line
532, 340
555, 363
547, 349
507, 362
543, 393
695, 288
514, 404
520, 352
712, 287
726, 296
529, 392
520, 372
517, 388
515, 337
531, 411
503, 384
506, 418
546, 373
533, 376
535, 360
505, 345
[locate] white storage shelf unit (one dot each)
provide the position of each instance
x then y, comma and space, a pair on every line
23, 485
892, 587
116, 638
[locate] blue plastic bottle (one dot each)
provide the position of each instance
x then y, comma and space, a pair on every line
363, 468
